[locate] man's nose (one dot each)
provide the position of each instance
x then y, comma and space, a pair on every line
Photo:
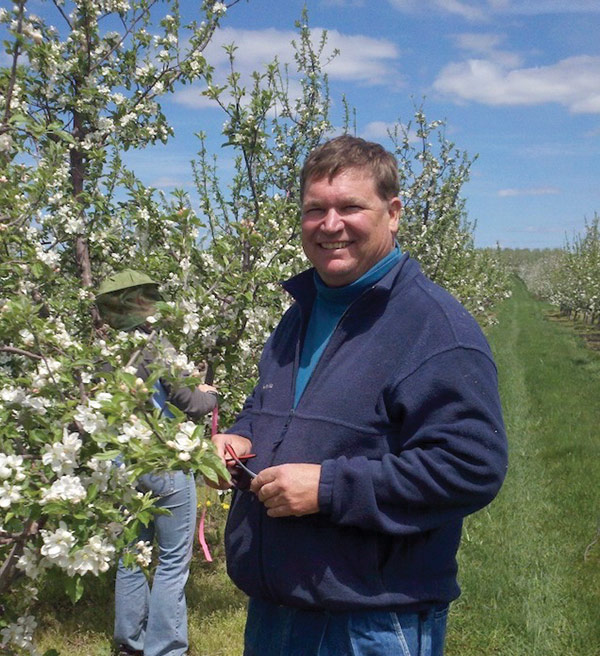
332, 221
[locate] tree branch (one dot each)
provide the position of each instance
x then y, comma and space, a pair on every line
13, 70
18, 351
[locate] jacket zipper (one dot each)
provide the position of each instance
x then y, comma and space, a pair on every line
330, 347
288, 421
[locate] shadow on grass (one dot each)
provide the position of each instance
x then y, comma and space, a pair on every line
590, 333
83, 628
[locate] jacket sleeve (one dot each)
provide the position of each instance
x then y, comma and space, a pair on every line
192, 401
447, 453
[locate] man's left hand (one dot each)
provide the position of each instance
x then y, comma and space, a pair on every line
290, 489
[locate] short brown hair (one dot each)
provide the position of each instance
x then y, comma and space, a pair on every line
348, 152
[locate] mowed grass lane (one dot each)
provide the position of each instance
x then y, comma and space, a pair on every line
527, 590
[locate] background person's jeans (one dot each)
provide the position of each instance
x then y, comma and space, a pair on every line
273, 630
155, 620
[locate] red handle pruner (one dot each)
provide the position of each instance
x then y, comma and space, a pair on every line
238, 460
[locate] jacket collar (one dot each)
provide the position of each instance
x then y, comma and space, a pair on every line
302, 286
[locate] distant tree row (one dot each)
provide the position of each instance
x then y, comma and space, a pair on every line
569, 278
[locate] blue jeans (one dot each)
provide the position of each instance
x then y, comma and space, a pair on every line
155, 620
273, 630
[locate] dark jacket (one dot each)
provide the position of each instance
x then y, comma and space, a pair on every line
192, 401
403, 414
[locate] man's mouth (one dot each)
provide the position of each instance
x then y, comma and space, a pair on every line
333, 245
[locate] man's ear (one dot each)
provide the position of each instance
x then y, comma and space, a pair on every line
395, 212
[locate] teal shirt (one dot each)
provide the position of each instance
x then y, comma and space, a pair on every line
329, 306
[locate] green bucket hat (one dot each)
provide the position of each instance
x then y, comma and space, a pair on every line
126, 299
124, 279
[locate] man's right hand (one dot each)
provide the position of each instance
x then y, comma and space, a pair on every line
241, 445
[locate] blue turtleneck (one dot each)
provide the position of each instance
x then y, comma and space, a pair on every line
329, 306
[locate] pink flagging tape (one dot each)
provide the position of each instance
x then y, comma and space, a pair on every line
215, 420
201, 535
202, 538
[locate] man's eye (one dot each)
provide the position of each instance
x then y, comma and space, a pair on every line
312, 212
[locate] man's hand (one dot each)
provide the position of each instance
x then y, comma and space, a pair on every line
241, 445
290, 489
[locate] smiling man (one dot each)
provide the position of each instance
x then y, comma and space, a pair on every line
377, 427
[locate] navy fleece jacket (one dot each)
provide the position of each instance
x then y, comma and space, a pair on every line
403, 415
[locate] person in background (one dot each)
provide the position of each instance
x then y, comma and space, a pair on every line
376, 426
152, 621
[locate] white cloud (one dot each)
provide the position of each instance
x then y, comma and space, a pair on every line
344, 3
529, 191
164, 182
486, 44
362, 59
377, 130
477, 11
471, 11
573, 82
537, 7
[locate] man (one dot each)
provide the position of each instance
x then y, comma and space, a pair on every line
376, 425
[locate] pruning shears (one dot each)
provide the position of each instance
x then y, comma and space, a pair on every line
238, 460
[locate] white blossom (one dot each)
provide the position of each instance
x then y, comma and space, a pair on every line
99, 399
144, 553
135, 430
13, 395
101, 473
49, 258
66, 488
91, 421
11, 466
5, 142
19, 634
57, 545
191, 321
9, 494
184, 442
37, 404
62, 456
94, 557
26, 336
30, 563
46, 371
127, 118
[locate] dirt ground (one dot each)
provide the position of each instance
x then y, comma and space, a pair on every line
589, 332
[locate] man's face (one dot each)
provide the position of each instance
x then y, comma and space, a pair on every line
346, 226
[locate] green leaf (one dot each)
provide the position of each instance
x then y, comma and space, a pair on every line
209, 473
74, 588
108, 455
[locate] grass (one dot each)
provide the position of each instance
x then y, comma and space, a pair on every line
527, 588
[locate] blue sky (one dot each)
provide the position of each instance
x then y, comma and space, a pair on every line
517, 81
